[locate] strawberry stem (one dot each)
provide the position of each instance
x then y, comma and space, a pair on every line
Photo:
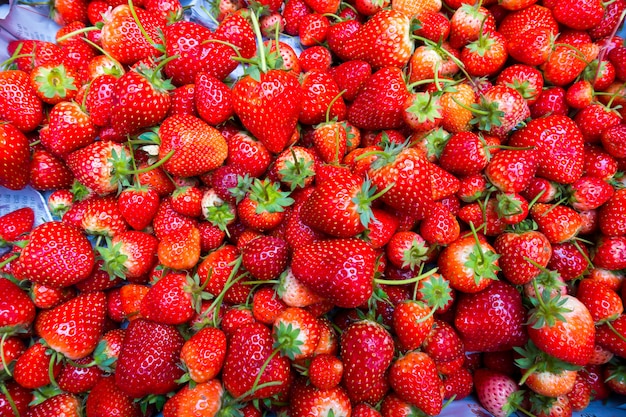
133, 12
259, 37
5, 365
8, 260
76, 32
405, 281
614, 330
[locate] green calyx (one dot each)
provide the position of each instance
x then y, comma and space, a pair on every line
55, 81
481, 262
286, 340
487, 114
364, 199
113, 259
269, 197
424, 107
296, 171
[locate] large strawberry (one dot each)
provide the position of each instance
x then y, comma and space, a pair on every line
98, 165
197, 147
122, 37
148, 361
340, 270
14, 157
57, 255
20, 104
69, 128
250, 368
366, 351
140, 99
559, 146
75, 327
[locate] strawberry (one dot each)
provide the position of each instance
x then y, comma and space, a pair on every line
380, 101
412, 321
266, 306
249, 154
258, 101
138, 206
522, 255
512, 170
21, 106
35, 367
602, 302
74, 327
497, 392
340, 206
295, 167
18, 311
319, 92
98, 99
192, 400
69, 129
99, 165
313, 29
612, 215
296, 333
383, 41
557, 223
316, 58
15, 156
414, 379
562, 327
263, 208
76, 379
130, 254
191, 43
580, 15
464, 154
500, 110
148, 360
307, 400
609, 252
486, 55
407, 249
180, 249
469, 263
612, 139
140, 99
56, 254
122, 38
16, 224
48, 172
189, 138
265, 257
248, 367
106, 399
475, 312
350, 263
203, 354
350, 76
366, 352
213, 99
559, 146
221, 267
325, 371
96, 216
14, 399
60, 405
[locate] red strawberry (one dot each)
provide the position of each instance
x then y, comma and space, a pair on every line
319, 91
412, 321
296, 333
340, 270
414, 378
383, 41
75, 327
138, 206
77, 378
204, 353
14, 399
15, 224
557, 223
122, 38
562, 327
219, 268
148, 360
169, 300
18, 311
603, 302
106, 399
306, 399
486, 55
197, 147
47, 172
57, 255
248, 355
98, 99
20, 104
129, 254
69, 129
514, 248
194, 399
99, 165
265, 257
498, 307
140, 99
191, 43
35, 366
325, 371
468, 23
612, 215
213, 99
464, 154
65, 405
259, 102
96, 216
14, 157
180, 249
366, 352
581, 15
558, 143
379, 103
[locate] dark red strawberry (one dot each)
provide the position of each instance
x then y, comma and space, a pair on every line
14, 157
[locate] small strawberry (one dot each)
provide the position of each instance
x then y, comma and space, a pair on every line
18, 311
60, 405
96, 216
180, 249
48, 172
325, 371
497, 392
100, 165
521, 255
106, 399
138, 206
15, 157
15, 224
21, 106
557, 223
612, 215
203, 354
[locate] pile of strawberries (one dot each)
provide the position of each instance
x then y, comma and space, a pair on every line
427, 202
